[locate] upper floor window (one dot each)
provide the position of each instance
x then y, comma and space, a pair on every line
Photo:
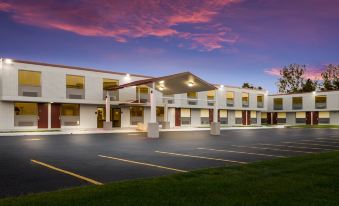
230, 99
192, 98
108, 86
278, 103
75, 87
29, 83
297, 102
210, 98
320, 102
245, 99
260, 101
142, 94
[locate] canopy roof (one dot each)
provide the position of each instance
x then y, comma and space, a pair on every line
174, 84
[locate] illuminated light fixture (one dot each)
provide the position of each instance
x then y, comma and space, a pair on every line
313, 92
128, 75
8, 61
161, 88
190, 84
51, 102
221, 86
161, 82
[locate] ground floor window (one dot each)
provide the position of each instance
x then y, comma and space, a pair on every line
281, 118
263, 117
238, 117
160, 114
253, 117
300, 117
185, 115
204, 116
136, 115
223, 116
324, 117
70, 114
25, 114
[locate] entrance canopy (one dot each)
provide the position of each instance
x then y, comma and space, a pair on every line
174, 84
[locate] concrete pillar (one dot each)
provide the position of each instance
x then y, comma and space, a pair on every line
215, 125
153, 127
166, 123
108, 123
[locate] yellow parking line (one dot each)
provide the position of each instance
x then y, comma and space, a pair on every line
297, 147
319, 141
67, 172
199, 157
273, 149
142, 163
312, 144
232, 151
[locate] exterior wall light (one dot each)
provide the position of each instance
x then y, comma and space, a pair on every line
161, 88
313, 92
162, 82
221, 86
190, 84
8, 61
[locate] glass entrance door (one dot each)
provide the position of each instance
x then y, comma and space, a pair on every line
116, 117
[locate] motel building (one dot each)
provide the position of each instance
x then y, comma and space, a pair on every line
43, 96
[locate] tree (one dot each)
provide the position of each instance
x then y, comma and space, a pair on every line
309, 86
250, 86
330, 77
292, 78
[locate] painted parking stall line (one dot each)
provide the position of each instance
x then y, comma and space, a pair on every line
297, 147
141, 163
273, 149
199, 157
312, 144
240, 152
67, 172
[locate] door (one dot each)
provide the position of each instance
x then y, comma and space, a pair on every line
100, 117
244, 117
116, 117
315, 117
308, 117
269, 118
275, 118
248, 113
177, 117
210, 115
42, 115
55, 116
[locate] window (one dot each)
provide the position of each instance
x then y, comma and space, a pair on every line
281, 118
223, 116
136, 115
160, 114
185, 116
253, 117
324, 117
300, 117
142, 94
321, 102
263, 117
25, 114
238, 117
108, 86
245, 99
277, 103
297, 102
204, 116
210, 98
230, 99
29, 83
260, 101
75, 87
70, 114
191, 98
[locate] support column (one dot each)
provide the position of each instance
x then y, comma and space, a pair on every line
153, 127
215, 125
108, 123
165, 123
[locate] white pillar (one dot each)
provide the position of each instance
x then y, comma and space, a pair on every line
215, 125
166, 112
108, 114
153, 105
153, 127
49, 115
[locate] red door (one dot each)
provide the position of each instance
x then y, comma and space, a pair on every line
275, 118
308, 117
315, 117
244, 117
43, 115
177, 117
269, 118
248, 117
55, 116
211, 115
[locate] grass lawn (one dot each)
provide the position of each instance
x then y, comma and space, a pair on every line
307, 180
313, 126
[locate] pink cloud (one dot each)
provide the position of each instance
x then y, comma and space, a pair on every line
124, 20
311, 73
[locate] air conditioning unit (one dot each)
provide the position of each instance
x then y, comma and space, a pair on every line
75, 96
30, 94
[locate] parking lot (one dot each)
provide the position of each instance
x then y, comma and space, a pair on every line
46, 163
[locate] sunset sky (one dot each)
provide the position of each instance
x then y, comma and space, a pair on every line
223, 41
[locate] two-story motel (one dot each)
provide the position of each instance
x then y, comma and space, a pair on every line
37, 95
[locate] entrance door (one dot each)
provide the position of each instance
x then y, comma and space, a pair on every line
315, 117
248, 113
43, 115
308, 117
275, 118
55, 116
100, 117
269, 118
244, 113
116, 117
177, 117
210, 115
